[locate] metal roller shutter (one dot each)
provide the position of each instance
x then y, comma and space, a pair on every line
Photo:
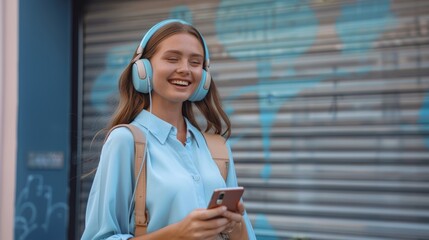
329, 102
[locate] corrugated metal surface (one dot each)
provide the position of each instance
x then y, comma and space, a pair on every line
329, 102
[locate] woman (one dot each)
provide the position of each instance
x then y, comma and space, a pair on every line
167, 76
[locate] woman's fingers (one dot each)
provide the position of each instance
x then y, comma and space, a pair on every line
235, 217
207, 214
240, 207
210, 218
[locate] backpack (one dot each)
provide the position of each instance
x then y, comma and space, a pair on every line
216, 144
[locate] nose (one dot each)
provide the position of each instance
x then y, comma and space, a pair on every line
183, 67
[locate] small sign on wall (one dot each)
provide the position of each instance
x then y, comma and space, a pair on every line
45, 160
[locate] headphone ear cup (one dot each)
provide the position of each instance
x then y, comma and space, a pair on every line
202, 88
142, 76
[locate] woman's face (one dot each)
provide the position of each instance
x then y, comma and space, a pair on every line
177, 68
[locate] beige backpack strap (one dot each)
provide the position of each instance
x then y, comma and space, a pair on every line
219, 152
140, 211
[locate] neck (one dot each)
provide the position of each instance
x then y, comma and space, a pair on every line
171, 113
175, 118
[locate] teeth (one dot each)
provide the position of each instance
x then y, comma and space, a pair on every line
179, 82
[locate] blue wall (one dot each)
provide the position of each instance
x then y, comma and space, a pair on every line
43, 119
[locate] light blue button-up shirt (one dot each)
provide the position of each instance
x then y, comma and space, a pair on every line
180, 178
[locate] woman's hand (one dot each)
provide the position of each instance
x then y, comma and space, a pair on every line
205, 223
236, 228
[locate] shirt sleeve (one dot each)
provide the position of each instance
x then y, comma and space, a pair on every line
231, 181
110, 201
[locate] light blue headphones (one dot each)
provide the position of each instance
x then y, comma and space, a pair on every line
142, 70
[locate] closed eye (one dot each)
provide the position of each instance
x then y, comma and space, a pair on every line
196, 63
171, 59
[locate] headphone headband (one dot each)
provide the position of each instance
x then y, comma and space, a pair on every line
161, 24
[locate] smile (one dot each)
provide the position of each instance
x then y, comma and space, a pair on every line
180, 82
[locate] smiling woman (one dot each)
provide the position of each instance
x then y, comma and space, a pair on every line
166, 78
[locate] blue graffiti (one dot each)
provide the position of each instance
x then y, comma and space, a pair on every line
361, 23
265, 30
265, 227
105, 87
35, 211
358, 26
424, 118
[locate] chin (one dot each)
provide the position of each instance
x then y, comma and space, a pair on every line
180, 99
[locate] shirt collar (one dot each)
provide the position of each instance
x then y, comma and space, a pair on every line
193, 130
160, 128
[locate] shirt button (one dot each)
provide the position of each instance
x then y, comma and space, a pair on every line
196, 178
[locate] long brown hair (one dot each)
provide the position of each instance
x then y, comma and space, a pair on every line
131, 102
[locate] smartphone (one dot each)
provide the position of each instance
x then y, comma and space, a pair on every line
228, 197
